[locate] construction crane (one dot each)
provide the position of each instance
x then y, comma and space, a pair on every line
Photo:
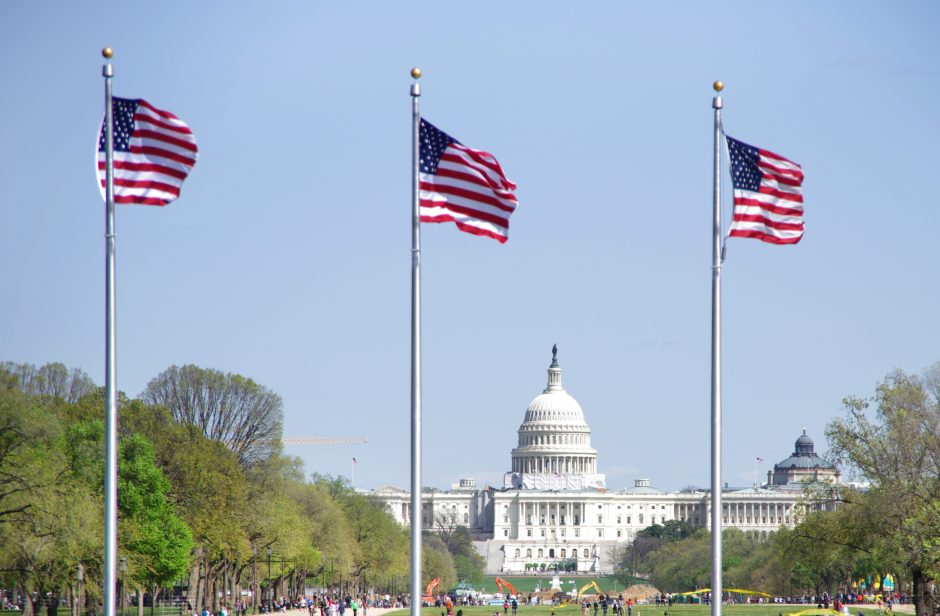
325, 440
330, 440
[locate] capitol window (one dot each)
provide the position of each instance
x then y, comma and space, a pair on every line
586, 553
564, 554
618, 533
539, 554
505, 532
577, 532
628, 519
518, 553
528, 553
641, 518
528, 533
618, 519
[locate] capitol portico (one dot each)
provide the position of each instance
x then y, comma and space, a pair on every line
554, 509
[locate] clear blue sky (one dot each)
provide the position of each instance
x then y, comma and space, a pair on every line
287, 257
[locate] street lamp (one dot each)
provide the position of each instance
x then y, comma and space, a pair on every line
123, 573
254, 578
270, 583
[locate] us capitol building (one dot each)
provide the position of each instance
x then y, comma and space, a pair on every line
554, 508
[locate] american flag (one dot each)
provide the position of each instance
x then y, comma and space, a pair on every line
760, 460
463, 186
768, 195
154, 151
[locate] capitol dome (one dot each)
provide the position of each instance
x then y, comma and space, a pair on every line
554, 447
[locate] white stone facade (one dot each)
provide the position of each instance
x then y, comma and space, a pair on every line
553, 510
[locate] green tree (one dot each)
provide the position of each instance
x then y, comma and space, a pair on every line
893, 440
226, 407
671, 530
329, 530
53, 504
436, 561
156, 539
53, 380
469, 563
684, 565
380, 544
632, 560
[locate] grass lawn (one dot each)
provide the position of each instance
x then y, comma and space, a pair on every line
738, 609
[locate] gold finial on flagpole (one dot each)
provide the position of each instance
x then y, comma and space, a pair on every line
719, 86
416, 73
107, 52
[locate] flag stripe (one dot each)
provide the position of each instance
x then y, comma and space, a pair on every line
174, 124
462, 190
161, 186
160, 137
135, 167
461, 206
769, 222
763, 235
162, 153
772, 206
450, 167
497, 233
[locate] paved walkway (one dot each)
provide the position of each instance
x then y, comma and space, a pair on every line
372, 611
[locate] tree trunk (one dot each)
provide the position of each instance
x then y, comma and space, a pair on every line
923, 601
30, 604
52, 605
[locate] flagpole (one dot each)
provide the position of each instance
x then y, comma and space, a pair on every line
416, 510
716, 592
110, 473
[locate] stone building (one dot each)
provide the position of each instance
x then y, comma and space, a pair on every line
554, 510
